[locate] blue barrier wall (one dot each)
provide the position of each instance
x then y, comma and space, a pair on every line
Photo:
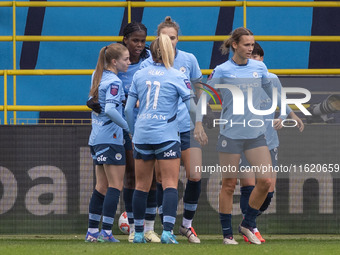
73, 90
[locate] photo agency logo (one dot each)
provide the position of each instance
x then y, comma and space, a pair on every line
238, 99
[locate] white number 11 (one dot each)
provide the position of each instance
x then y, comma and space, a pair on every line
155, 101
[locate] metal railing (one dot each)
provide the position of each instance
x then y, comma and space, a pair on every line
129, 5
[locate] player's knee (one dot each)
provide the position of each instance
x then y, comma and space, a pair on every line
228, 187
194, 179
101, 188
264, 184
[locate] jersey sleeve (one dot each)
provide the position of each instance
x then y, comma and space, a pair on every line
196, 74
113, 93
214, 78
184, 88
278, 85
266, 78
133, 89
268, 85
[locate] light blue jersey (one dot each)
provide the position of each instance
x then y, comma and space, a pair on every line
104, 131
187, 64
126, 78
253, 75
266, 102
158, 90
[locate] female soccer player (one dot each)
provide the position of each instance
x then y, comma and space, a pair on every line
134, 37
235, 137
190, 148
155, 134
106, 141
247, 180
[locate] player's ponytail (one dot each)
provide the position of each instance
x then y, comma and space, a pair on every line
97, 76
106, 54
235, 36
162, 51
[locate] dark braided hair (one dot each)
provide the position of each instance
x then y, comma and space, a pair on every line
133, 27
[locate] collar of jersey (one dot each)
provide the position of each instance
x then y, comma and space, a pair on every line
232, 61
108, 71
157, 64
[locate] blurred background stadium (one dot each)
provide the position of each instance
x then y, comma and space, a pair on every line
48, 51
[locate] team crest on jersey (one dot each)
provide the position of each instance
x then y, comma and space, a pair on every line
118, 156
114, 89
255, 75
183, 69
187, 83
211, 75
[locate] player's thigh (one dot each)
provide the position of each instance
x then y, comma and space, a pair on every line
261, 161
158, 172
101, 179
170, 172
246, 175
115, 175
129, 178
229, 163
144, 174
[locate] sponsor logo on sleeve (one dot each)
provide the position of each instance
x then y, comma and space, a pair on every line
187, 83
114, 89
211, 75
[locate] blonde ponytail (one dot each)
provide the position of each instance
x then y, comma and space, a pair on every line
162, 50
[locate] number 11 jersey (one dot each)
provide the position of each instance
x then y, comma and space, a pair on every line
158, 90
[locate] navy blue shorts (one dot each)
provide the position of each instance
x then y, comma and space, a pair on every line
188, 140
166, 150
110, 154
127, 141
237, 146
273, 154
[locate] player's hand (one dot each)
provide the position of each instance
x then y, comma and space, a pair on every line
199, 134
123, 103
94, 106
277, 124
299, 122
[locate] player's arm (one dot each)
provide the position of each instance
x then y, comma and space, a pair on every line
199, 133
191, 106
130, 105
299, 122
290, 112
268, 87
196, 76
198, 88
115, 116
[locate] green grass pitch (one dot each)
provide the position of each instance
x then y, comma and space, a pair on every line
211, 244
